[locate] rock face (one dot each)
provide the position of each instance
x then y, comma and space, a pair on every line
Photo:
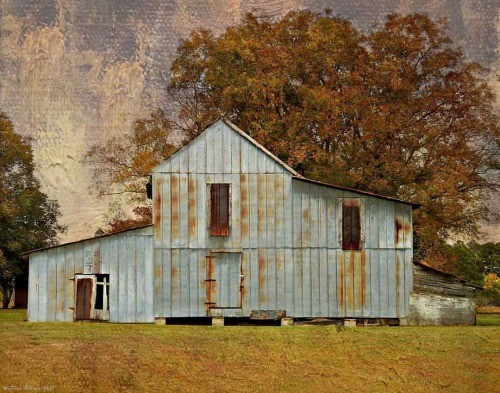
73, 73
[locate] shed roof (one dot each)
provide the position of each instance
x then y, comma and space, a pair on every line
85, 239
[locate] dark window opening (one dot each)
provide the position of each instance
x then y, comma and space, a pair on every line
351, 228
219, 209
102, 285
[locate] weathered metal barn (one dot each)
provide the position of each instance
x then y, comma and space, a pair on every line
236, 232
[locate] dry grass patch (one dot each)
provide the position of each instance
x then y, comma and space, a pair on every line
86, 357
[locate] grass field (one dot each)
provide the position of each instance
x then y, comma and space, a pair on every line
93, 357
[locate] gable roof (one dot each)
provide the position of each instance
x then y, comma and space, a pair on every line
294, 173
239, 132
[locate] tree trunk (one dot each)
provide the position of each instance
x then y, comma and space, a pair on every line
6, 296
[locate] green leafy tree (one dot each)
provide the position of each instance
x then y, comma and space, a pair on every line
28, 218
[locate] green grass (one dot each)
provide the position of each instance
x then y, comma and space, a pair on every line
488, 319
97, 357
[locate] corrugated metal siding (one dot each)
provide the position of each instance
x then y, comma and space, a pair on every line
127, 258
288, 232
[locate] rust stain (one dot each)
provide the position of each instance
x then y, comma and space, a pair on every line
352, 275
174, 198
399, 232
261, 205
243, 289
262, 279
244, 206
398, 282
157, 208
192, 207
407, 230
341, 281
210, 282
174, 272
362, 287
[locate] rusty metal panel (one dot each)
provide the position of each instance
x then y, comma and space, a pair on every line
314, 282
341, 301
184, 283
33, 286
322, 218
42, 286
60, 285
375, 282
51, 284
279, 214
272, 277
122, 279
298, 284
366, 279
305, 215
175, 213
157, 283
384, 282
175, 162
280, 278
130, 265
194, 303
253, 195
333, 308
297, 214
235, 211
142, 285
261, 210
289, 267
236, 142
323, 282
262, 278
332, 219
110, 251
183, 210
175, 276
157, 208
391, 282
390, 224
314, 216
270, 214
408, 280
288, 204
244, 211
167, 282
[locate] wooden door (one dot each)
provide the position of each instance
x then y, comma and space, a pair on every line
83, 298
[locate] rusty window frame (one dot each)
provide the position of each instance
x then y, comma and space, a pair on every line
219, 219
351, 223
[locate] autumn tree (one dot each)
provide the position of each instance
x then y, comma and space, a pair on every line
398, 111
28, 218
122, 166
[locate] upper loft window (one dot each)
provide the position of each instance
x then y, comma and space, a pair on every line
219, 209
351, 225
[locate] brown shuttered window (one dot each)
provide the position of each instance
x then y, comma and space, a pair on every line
219, 209
351, 228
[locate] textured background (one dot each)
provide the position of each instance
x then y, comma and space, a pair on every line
75, 72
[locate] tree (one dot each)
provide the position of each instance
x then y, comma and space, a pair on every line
465, 263
28, 218
398, 112
122, 166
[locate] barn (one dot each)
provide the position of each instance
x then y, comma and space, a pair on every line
236, 233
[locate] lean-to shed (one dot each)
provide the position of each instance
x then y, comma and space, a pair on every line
236, 232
